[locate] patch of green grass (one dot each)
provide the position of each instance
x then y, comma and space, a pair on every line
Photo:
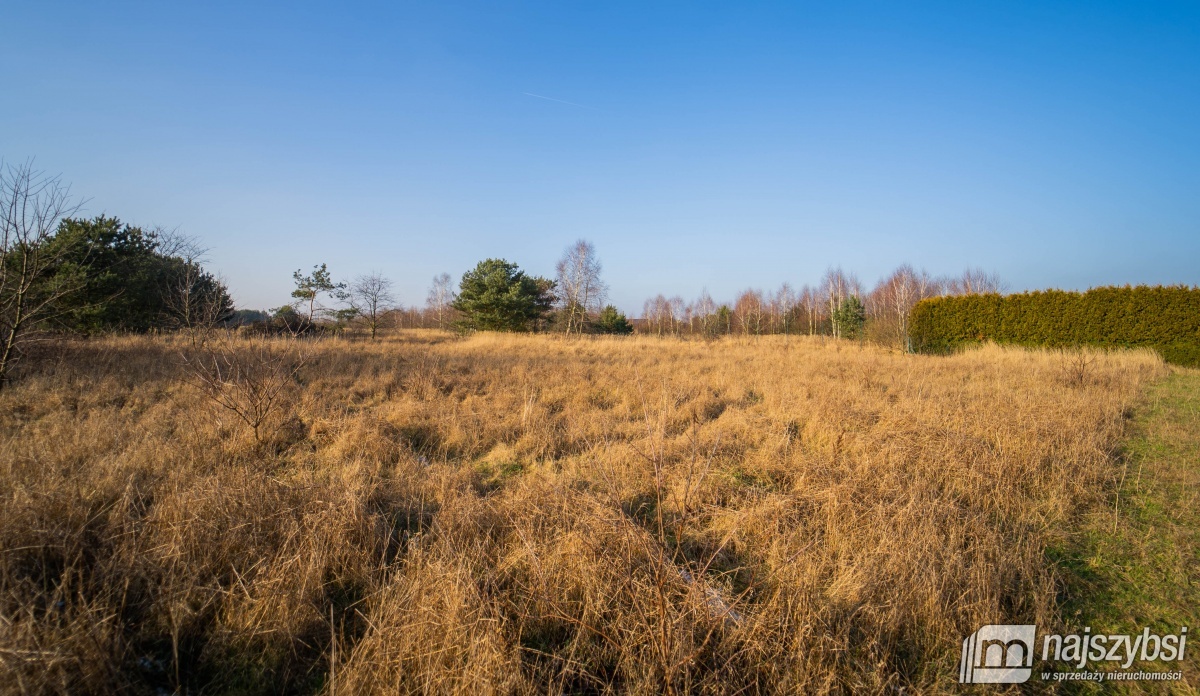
493, 475
752, 479
1137, 563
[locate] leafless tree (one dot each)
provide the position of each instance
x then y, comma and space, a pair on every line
706, 310
371, 296
405, 317
675, 307
689, 318
749, 310
782, 303
581, 291
810, 304
194, 298
975, 281
32, 204
892, 300
652, 312
659, 314
441, 296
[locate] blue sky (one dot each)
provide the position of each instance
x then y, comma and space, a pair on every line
697, 145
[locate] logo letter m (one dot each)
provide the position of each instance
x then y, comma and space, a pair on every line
998, 654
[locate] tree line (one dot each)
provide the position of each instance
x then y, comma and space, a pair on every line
60, 272
838, 305
496, 295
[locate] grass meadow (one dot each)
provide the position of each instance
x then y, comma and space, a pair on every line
505, 514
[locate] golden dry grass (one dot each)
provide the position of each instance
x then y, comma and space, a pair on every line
525, 514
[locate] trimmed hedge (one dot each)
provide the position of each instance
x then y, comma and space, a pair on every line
1164, 318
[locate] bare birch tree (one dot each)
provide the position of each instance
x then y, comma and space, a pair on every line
659, 314
706, 310
749, 310
440, 299
809, 302
893, 298
580, 288
675, 307
782, 304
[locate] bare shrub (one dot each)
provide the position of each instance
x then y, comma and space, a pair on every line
250, 379
1078, 366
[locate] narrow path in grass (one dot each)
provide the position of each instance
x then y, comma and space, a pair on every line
1137, 564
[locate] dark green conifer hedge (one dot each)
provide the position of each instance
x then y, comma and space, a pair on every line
1166, 319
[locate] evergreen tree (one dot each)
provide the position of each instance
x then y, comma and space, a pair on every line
724, 319
612, 321
849, 317
498, 296
129, 285
309, 289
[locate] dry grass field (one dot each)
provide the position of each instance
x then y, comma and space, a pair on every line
531, 514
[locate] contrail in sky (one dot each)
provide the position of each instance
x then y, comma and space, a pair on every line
560, 101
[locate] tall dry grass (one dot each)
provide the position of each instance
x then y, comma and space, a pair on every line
514, 514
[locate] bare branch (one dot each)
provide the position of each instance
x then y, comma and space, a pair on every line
32, 205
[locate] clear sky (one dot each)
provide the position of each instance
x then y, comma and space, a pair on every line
697, 145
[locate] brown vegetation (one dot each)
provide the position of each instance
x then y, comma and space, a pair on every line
532, 514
